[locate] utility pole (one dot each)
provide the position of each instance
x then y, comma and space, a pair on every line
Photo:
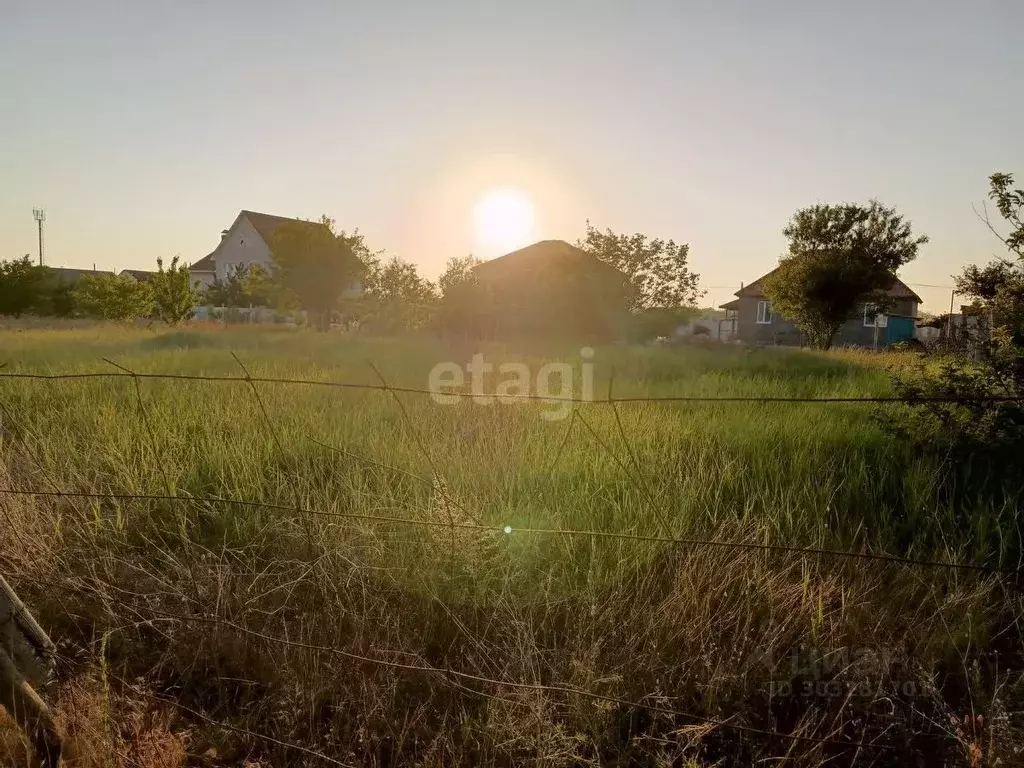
949, 318
40, 216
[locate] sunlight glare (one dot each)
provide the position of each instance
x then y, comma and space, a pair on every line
504, 220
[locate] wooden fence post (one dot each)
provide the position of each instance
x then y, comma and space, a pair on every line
26, 663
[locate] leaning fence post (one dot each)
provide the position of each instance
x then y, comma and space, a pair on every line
26, 664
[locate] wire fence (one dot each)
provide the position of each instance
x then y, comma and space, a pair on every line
465, 680
446, 675
385, 387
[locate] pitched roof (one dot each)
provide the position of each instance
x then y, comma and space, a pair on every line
72, 275
899, 289
543, 254
142, 275
205, 264
265, 223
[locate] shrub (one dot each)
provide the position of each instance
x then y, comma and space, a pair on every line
971, 432
113, 297
173, 296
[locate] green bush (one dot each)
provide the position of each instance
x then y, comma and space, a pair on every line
113, 297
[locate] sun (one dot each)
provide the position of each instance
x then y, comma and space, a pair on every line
505, 220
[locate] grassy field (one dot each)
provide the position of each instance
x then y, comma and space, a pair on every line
312, 626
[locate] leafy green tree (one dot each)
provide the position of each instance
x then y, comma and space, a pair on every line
458, 273
998, 288
1010, 204
657, 270
981, 439
840, 256
462, 304
25, 287
231, 291
260, 288
316, 264
113, 297
174, 298
60, 298
396, 297
399, 281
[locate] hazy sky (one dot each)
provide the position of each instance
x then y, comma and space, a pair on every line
144, 127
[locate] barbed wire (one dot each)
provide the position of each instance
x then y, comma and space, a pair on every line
450, 676
384, 387
509, 530
446, 673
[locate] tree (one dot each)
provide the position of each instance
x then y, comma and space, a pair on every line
840, 257
25, 287
1010, 204
461, 303
396, 297
316, 264
261, 289
173, 297
957, 419
458, 273
999, 286
657, 269
113, 297
399, 281
230, 292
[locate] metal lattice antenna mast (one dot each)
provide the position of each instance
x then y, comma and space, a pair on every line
40, 216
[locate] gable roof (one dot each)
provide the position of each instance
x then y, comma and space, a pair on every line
265, 224
542, 255
205, 264
72, 275
898, 290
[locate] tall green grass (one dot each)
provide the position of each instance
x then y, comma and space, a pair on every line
520, 604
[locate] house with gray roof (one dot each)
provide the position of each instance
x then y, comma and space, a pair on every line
756, 322
246, 241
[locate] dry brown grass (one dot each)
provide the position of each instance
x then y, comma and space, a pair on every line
212, 634
242, 635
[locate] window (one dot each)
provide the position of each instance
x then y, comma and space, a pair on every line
873, 318
764, 312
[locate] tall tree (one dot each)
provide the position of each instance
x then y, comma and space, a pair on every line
174, 298
316, 264
840, 257
657, 270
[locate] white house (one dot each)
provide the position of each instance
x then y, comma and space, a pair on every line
246, 241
